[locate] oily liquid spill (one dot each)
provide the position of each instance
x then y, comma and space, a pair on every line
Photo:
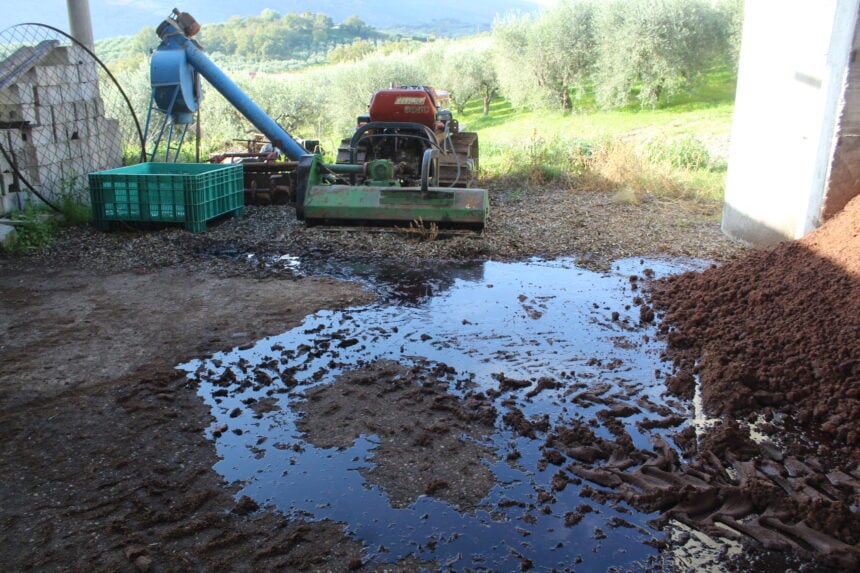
523, 320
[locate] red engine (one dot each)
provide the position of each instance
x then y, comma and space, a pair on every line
413, 105
402, 125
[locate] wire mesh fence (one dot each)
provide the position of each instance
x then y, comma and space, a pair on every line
63, 115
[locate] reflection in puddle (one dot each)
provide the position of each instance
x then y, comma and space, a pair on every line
491, 323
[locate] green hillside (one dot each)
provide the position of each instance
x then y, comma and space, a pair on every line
270, 42
678, 149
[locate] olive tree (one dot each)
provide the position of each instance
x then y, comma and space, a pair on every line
134, 79
650, 49
145, 41
353, 52
542, 61
293, 101
731, 13
511, 57
564, 49
220, 121
487, 77
350, 86
465, 69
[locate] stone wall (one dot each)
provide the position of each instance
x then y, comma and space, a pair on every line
53, 126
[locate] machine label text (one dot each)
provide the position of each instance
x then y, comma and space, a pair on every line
404, 100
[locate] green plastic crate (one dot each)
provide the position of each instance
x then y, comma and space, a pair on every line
189, 193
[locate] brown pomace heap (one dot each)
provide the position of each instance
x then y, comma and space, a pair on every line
778, 329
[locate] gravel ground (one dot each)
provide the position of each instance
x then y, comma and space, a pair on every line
596, 228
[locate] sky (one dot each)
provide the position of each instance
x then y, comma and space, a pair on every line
124, 17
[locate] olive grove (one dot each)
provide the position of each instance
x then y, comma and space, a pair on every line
578, 55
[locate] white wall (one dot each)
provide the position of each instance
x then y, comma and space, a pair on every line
793, 65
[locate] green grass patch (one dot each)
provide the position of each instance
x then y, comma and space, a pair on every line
73, 202
37, 225
679, 149
35, 230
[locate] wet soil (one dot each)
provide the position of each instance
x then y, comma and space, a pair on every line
499, 353
119, 479
108, 451
773, 341
428, 438
106, 467
580, 432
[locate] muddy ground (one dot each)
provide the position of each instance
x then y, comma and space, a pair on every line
774, 339
106, 465
424, 453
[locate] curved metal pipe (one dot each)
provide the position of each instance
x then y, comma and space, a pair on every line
429, 160
240, 100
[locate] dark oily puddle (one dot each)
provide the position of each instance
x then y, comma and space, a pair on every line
448, 421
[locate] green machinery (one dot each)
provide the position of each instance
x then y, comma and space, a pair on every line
380, 197
407, 160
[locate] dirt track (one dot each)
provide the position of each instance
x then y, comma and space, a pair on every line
65, 330
105, 460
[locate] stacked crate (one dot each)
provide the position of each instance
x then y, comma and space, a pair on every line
12, 198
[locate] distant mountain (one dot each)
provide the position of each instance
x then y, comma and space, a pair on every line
126, 17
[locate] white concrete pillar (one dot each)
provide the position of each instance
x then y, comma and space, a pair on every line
80, 22
794, 62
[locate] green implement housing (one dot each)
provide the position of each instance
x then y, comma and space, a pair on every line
406, 161
466, 207
379, 199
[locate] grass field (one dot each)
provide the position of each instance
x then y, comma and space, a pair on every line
679, 149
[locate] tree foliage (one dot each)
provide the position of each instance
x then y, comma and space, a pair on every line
512, 60
563, 50
650, 49
464, 69
145, 41
272, 36
642, 50
350, 87
731, 15
542, 61
360, 49
353, 52
622, 51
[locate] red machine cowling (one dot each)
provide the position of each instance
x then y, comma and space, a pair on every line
404, 105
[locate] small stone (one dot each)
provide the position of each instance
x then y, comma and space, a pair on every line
132, 552
143, 563
245, 505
